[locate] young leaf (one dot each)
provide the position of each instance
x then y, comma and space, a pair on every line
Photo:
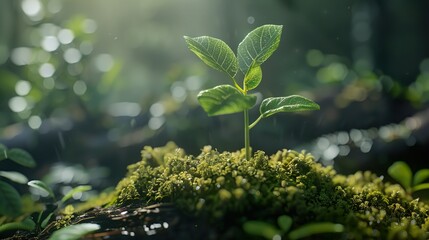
258, 46
77, 189
315, 228
215, 53
27, 224
253, 78
14, 176
74, 232
259, 228
41, 186
285, 222
10, 200
294, 103
421, 176
21, 157
224, 99
401, 172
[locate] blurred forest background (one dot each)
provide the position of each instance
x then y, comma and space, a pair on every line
86, 84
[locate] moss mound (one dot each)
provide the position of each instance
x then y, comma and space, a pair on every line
225, 190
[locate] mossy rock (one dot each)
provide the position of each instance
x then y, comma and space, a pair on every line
224, 190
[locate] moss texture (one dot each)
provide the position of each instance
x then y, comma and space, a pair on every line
226, 190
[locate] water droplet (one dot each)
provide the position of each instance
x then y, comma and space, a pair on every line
250, 20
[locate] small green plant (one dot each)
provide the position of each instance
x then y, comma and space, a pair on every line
401, 172
269, 231
12, 216
254, 50
45, 216
10, 200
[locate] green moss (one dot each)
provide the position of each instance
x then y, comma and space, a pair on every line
216, 186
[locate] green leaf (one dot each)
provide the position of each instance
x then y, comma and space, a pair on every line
74, 232
253, 78
285, 222
27, 224
46, 220
401, 172
21, 157
294, 103
422, 186
3, 152
77, 189
215, 53
258, 46
14, 176
224, 99
262, 229
421, 176
315, 228
42, 187
10, 200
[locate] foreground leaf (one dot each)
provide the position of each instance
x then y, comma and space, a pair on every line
21, 157
421, 176
42, 187
74, 232
258, 46
262, 229
253, 78
10, 200
27, 224
423, 186
224, 99
215, 53
294, 103
285, 222
75, 190
46, 220
3, 153
315, 228
14, 176
401, 172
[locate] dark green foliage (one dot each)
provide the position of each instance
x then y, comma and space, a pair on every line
10, 200
226, 190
